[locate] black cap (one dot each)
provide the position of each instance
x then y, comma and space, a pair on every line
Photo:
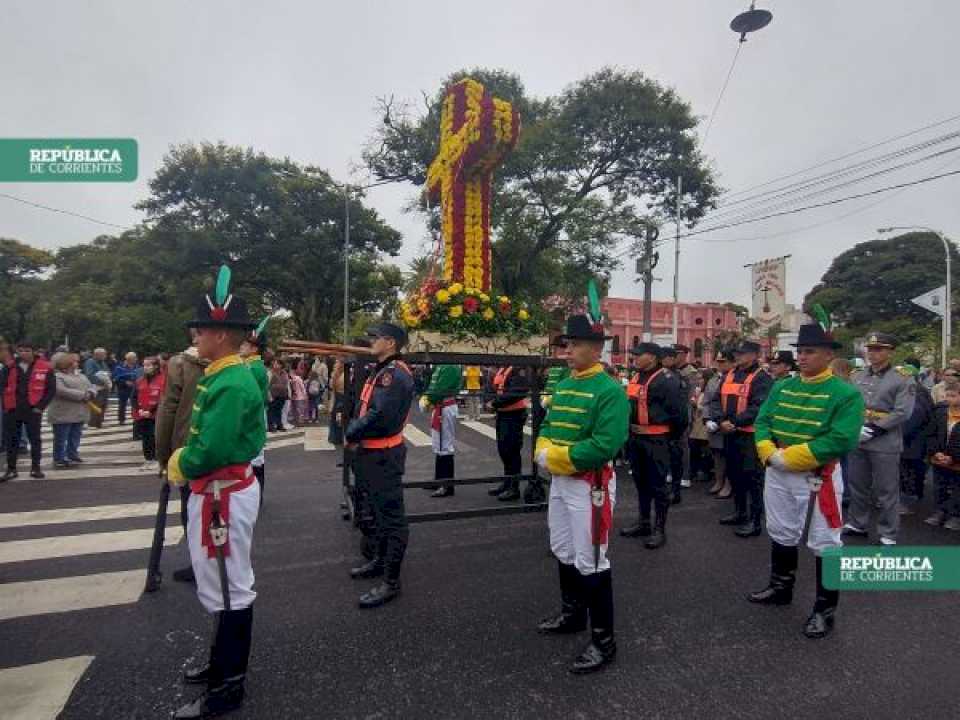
724, 354
748, 346
785, 357
389, 330
880, 340
646, 347
681, 348
668, 352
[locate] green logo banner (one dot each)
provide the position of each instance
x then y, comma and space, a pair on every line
899, 567
68, 160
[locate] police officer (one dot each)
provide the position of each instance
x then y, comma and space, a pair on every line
742, 392
376, 435
782, 365
656, 408
875, 466
669, 357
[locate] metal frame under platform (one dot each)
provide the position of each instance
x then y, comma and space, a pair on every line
532, 363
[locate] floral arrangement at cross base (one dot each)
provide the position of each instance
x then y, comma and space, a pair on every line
468, 316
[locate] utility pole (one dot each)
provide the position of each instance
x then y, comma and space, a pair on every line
676, 266
645, 265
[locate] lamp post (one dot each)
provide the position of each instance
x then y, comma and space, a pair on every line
947, 310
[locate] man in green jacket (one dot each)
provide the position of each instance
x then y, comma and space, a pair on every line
806, 424
227, 431
252, 351
441, 396
585, 428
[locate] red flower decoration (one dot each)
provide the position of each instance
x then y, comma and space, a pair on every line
219, 314
471, 305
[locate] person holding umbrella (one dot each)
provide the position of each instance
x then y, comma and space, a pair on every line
804, 427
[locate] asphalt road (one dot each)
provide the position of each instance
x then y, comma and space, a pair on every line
460, 641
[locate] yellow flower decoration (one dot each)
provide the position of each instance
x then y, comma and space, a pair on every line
488, 314
484, 297
523, 314
455, 289
504, 299
456, 311
443, 297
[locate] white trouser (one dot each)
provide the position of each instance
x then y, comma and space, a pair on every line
785, 498
443, 440
570, 517
244, 506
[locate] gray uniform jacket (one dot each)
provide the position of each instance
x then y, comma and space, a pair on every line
69, 404
888, 397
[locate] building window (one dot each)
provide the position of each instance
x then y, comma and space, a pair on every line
698, 349
718, 321
636, 340
616, 344
698, 321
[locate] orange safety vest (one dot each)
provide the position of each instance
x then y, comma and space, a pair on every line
637, 391
499, 383
365, 395
742, 392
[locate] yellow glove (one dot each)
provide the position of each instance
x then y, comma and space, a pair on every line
546, 400
174, 475
424, 403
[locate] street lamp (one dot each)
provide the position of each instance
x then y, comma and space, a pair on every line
947, 310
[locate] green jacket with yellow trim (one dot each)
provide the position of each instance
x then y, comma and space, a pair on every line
227, 426
554, 375
815, 419
444, 383
259, 370
587, 423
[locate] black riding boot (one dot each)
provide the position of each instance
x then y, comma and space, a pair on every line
443, 470
658, 538
820, 622
227, 670
753, 526
783, 575
602, 647
641, 529
573, 610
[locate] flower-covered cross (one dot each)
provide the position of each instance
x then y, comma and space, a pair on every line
477, 131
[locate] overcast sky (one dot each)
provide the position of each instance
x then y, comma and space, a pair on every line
301, 79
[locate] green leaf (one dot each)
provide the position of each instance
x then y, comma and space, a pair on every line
223, 285
594, 296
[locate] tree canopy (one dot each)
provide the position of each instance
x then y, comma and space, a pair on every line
870, 286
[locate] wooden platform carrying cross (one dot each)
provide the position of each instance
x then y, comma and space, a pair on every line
477, 131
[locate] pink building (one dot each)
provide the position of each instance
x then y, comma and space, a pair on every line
697, 325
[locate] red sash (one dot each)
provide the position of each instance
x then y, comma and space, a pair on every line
827, 498
241, 476
602, 518
437, 417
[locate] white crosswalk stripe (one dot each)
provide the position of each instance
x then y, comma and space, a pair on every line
316, 438
40, 691
83, 514
69, 594
87, 544
481, 428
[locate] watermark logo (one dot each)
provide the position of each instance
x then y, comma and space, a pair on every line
68, 160
892, 568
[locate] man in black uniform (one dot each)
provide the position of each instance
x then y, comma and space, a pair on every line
376, 435
677, 443
510, 403
656, 409
734, 410
28, 385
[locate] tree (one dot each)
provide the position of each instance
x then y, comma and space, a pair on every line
869, 287
21, 268
280, 227
593, 165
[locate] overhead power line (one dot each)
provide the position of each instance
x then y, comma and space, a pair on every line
830, 161
64, 212
723, 89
